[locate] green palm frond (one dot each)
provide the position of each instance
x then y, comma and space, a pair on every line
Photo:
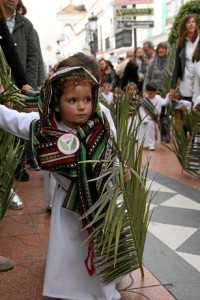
186, 147
119, 231
10, 154
9, 93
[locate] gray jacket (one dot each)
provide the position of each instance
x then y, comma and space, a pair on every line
41, 71
25, 40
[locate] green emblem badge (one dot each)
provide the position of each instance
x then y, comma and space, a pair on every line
68, 143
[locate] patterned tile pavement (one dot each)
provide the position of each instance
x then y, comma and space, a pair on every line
171, 257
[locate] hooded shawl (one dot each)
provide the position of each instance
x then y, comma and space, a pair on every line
95, 144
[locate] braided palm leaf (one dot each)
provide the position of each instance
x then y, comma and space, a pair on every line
119, 232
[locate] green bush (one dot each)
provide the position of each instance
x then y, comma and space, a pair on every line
191, 7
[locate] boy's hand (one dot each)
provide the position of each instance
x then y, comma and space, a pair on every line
126, 175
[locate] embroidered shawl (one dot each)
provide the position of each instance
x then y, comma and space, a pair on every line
95, 144
149, 108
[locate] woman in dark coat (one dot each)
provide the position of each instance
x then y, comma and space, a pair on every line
130, 74
9, 50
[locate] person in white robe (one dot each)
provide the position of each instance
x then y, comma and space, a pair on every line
149, 131
66, 275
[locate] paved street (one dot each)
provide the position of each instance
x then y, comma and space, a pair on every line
171, 258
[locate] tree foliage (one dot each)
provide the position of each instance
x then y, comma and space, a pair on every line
191, 7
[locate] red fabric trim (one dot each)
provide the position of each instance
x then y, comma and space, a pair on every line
89, 262
94, 135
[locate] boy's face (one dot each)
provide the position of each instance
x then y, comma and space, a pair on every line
75, 104
151, 94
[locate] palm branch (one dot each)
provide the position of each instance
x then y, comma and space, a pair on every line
119, 231
10, 154
9, 92
186, 147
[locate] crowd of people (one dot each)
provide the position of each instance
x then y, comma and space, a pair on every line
70, 114
145, 67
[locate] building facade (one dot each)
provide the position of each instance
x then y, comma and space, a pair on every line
118, 26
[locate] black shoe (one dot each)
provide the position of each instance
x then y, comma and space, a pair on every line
49, 208
32, 164
22, 176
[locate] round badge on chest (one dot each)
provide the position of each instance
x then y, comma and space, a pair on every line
68, 143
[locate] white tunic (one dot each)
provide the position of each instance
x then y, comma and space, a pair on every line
108, 97
149, 129
187, 83
66, 276
196, 82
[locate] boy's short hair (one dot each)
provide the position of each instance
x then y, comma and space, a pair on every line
151, 87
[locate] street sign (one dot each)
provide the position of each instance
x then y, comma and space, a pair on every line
133, 12
129, 24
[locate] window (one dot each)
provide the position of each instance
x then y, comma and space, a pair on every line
107, 43
123, 39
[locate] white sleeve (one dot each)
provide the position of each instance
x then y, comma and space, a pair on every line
197, 101
17, 123
112, 127
166, 100
110, 119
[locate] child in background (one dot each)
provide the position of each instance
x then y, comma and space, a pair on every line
71, 124
149, 112
107, 93
132, 90
117, 94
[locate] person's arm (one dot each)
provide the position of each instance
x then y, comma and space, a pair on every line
17, 123
11, 55
109, 118
166, 100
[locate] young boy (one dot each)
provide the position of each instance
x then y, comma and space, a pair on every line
72, 128
149, 112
